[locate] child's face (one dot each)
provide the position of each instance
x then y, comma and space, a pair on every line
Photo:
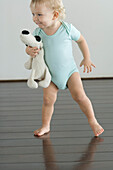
42, 15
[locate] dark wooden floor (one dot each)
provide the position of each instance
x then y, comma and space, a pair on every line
70, 145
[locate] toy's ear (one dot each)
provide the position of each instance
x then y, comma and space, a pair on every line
38, 38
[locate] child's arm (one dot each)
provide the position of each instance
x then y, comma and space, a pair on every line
32, 51
86, 54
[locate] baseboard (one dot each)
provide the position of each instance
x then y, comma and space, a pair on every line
96, 78
84, 78
22, 80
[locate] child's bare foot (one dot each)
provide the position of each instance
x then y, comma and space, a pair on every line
97, 129
41, 131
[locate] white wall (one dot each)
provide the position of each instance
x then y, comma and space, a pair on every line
92, 17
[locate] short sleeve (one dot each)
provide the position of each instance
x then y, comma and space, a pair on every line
74, 33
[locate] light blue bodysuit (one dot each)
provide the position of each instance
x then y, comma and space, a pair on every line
58, 53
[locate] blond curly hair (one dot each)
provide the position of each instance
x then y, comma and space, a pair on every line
56, 5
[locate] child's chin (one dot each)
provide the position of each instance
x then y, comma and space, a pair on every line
40, 25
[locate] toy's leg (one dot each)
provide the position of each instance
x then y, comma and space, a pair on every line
31, 83
28, 64
47, 79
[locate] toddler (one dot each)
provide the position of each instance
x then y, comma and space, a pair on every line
57, 37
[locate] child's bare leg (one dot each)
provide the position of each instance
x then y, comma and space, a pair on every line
49, 98
76, 89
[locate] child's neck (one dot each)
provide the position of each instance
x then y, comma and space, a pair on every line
53, 28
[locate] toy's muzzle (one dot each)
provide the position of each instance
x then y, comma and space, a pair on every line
25, 32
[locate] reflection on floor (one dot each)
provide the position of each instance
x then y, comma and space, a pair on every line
85, 160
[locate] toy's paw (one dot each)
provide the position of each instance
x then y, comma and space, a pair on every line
32, 84
44, 84
27, 66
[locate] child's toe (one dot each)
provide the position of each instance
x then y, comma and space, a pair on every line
100, 132
36, 132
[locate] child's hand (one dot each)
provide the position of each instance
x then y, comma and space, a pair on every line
32, 51
87, 65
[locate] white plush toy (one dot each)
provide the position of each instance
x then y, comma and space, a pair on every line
39, 70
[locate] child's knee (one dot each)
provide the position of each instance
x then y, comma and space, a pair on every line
79, 97
49, 100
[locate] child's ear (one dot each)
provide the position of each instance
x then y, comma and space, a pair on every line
56, 15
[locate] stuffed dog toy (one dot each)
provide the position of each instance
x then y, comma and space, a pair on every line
39, 70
